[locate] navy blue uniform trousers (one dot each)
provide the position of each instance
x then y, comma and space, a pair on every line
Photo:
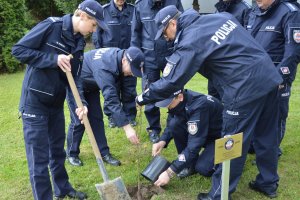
256, 121
152, 112
76, 129
44, 137
285, 94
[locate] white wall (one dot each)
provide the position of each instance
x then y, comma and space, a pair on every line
206, 6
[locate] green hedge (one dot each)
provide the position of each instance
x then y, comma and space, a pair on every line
16, 19
12, 23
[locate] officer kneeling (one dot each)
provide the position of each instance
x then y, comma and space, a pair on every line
195, 122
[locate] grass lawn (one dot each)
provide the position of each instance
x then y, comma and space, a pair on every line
14, 179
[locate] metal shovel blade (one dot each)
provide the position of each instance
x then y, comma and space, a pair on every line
113, 190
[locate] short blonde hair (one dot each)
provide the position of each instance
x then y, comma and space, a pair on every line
78, 12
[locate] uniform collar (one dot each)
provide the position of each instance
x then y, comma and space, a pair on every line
153, 5
67, 30
114, 9
260, 12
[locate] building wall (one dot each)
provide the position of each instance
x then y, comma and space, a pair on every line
206, 6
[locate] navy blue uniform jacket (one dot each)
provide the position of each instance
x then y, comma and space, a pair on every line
198, 110
119, 25
220, 49
103, 69
144, 31
278, 31
44, 85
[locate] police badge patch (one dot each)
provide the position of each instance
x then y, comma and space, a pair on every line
285, 70
167, 69
192, 127
181, 157
296, 36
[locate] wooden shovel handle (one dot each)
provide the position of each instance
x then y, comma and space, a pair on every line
87, 126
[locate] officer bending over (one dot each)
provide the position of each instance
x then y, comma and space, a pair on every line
219, 48
118, 16
195, 122
104, 68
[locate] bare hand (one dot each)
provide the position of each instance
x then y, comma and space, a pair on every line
162, 180
157, 147
63, 61
131, 134
80, 112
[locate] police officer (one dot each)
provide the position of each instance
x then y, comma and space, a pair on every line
104, 68
195, 122
118, 16
143, 35
219, 48
240, 10
45, 50
275, 24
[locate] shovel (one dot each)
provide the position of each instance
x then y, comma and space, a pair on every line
110, 189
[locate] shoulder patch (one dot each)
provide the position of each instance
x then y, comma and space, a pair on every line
181, 157
106, 5
291, 7
167, 69
285, 70
192, 127
296, 36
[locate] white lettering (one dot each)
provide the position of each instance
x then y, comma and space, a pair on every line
270, 27
215, 39
90, 10
99, 53
165, 19
223, 32
230, 112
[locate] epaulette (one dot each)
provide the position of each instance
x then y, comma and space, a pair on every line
130, 4
292, 7
55, 19
137, 1
247, 4
105, 5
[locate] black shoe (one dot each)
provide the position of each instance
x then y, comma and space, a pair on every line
255, 187
111, 123
186, 172
75, 161
203, 196
132, 122
74, 195
279, 152
109, 159
253, 162
153, 137
251, 150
